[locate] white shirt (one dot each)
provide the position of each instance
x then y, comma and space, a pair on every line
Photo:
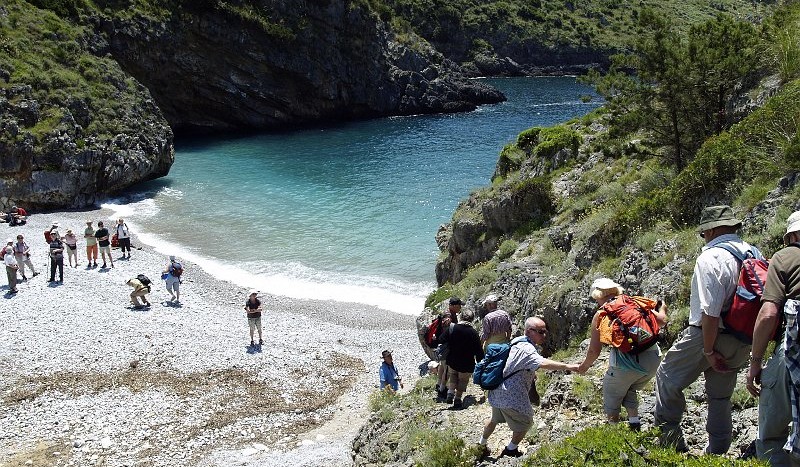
122, 231
9, 259
716, 273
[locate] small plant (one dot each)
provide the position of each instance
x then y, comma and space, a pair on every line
382, 403
507, 248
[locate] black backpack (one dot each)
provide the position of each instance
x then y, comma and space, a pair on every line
144, 280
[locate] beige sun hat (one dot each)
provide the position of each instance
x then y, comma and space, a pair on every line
792, 224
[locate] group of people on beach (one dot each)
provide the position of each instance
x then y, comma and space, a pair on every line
17, 257
705, 347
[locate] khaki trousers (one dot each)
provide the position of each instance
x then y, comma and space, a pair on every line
682, 365
774, 410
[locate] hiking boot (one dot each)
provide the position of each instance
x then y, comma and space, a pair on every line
458, 404
441, 393
450, 398
252, 344
24, 278
35, 274
103, 266
510, 452
637, 426
260, 342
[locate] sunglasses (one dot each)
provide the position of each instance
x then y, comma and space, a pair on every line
542, 332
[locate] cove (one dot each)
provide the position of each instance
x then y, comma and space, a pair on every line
344, 212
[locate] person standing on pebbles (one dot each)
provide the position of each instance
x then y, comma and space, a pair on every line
11, 268
56, 259
71, 242
22, 253
124, 237
102, 237
91, 245
172, 276
252, 306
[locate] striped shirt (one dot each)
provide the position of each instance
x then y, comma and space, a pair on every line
496, 322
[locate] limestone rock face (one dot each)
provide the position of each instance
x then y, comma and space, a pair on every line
68, 167
304, 62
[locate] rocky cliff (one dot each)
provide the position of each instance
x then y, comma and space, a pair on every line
74, 127
266, 64
90, 109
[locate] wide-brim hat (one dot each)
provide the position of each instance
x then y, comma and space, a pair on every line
717, 216
604, 283
792, 224
491, 298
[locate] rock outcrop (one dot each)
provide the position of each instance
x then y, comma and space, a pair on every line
303, 62
78, 129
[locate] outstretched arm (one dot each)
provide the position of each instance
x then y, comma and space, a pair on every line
594, 346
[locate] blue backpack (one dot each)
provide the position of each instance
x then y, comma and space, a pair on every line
489, 371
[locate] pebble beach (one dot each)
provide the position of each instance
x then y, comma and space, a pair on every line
87, 379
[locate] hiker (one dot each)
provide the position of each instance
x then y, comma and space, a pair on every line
71, 242
511, 402
140, 290
496, 324
91, 245
105, 245
451, 317
701, 348
390, 378
627, 373
173, 280
124, 238
22, 253
252, 307
464, 351
778, 389
11, 268
56, 259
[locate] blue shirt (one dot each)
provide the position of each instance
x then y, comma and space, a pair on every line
389, 376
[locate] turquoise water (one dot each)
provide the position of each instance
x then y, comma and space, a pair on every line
344, 212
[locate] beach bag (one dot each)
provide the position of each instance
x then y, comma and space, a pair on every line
628, 323
114, 241
433, 332
144, 280
48, 237
488, 372
740, 319
176, 269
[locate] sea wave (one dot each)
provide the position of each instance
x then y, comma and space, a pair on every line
295, 280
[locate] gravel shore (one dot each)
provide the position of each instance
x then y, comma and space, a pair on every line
86, 379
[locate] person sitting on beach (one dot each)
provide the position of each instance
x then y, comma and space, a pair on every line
626, 373
17, 216
124, 237
91, 245
173, 279
102, 237
71, 241
56, 258
22, 253
252, 306
390, 378
139, 290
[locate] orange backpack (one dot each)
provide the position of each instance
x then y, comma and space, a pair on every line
628, 323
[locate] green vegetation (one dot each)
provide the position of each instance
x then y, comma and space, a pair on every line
617, 445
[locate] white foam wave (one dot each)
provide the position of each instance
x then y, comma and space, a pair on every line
297, 281
145, 208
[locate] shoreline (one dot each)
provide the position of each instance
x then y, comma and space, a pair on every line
86, 376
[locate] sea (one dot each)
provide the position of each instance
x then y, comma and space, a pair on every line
344, 212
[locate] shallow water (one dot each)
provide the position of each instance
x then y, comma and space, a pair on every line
344, 212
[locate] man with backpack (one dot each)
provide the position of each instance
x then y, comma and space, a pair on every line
704, 347
141, 287
510, 401
123, 237
779, 380
464, 351
172, 276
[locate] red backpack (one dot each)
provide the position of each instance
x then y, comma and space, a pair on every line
629, 323
740, 319
433, 332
